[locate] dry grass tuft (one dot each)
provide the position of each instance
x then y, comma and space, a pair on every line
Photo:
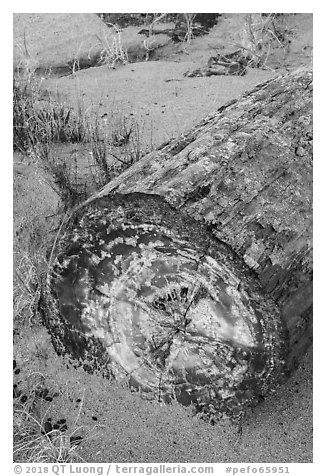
35, 440
113, 51
260, 33
27, 286
40, 124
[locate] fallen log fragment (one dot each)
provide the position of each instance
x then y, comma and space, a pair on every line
190, 275
232, 64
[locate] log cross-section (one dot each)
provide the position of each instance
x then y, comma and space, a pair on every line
190, 275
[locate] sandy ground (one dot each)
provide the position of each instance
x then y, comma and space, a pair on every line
124, 427
154, 94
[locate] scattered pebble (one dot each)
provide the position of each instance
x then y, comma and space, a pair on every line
48, 427
42, 393
60, 425
75, 440
16, 392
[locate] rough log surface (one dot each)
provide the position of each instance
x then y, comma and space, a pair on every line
190, 275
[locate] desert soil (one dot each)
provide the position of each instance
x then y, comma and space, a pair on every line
117, 425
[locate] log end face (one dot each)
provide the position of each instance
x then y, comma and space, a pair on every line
140, 291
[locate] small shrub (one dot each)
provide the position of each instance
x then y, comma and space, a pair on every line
259, 33
116, 150
189, 18
113, 51
23, 104
100, 169
36, 120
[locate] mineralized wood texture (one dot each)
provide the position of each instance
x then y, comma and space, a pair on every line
246, 173
147, 296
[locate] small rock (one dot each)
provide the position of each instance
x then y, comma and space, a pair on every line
42, 393
75, 440
60, 425
300, 151
17, 392
48, 427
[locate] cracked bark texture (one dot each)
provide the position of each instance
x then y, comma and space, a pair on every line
190, 275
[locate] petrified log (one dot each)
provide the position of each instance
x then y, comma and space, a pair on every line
190, 275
